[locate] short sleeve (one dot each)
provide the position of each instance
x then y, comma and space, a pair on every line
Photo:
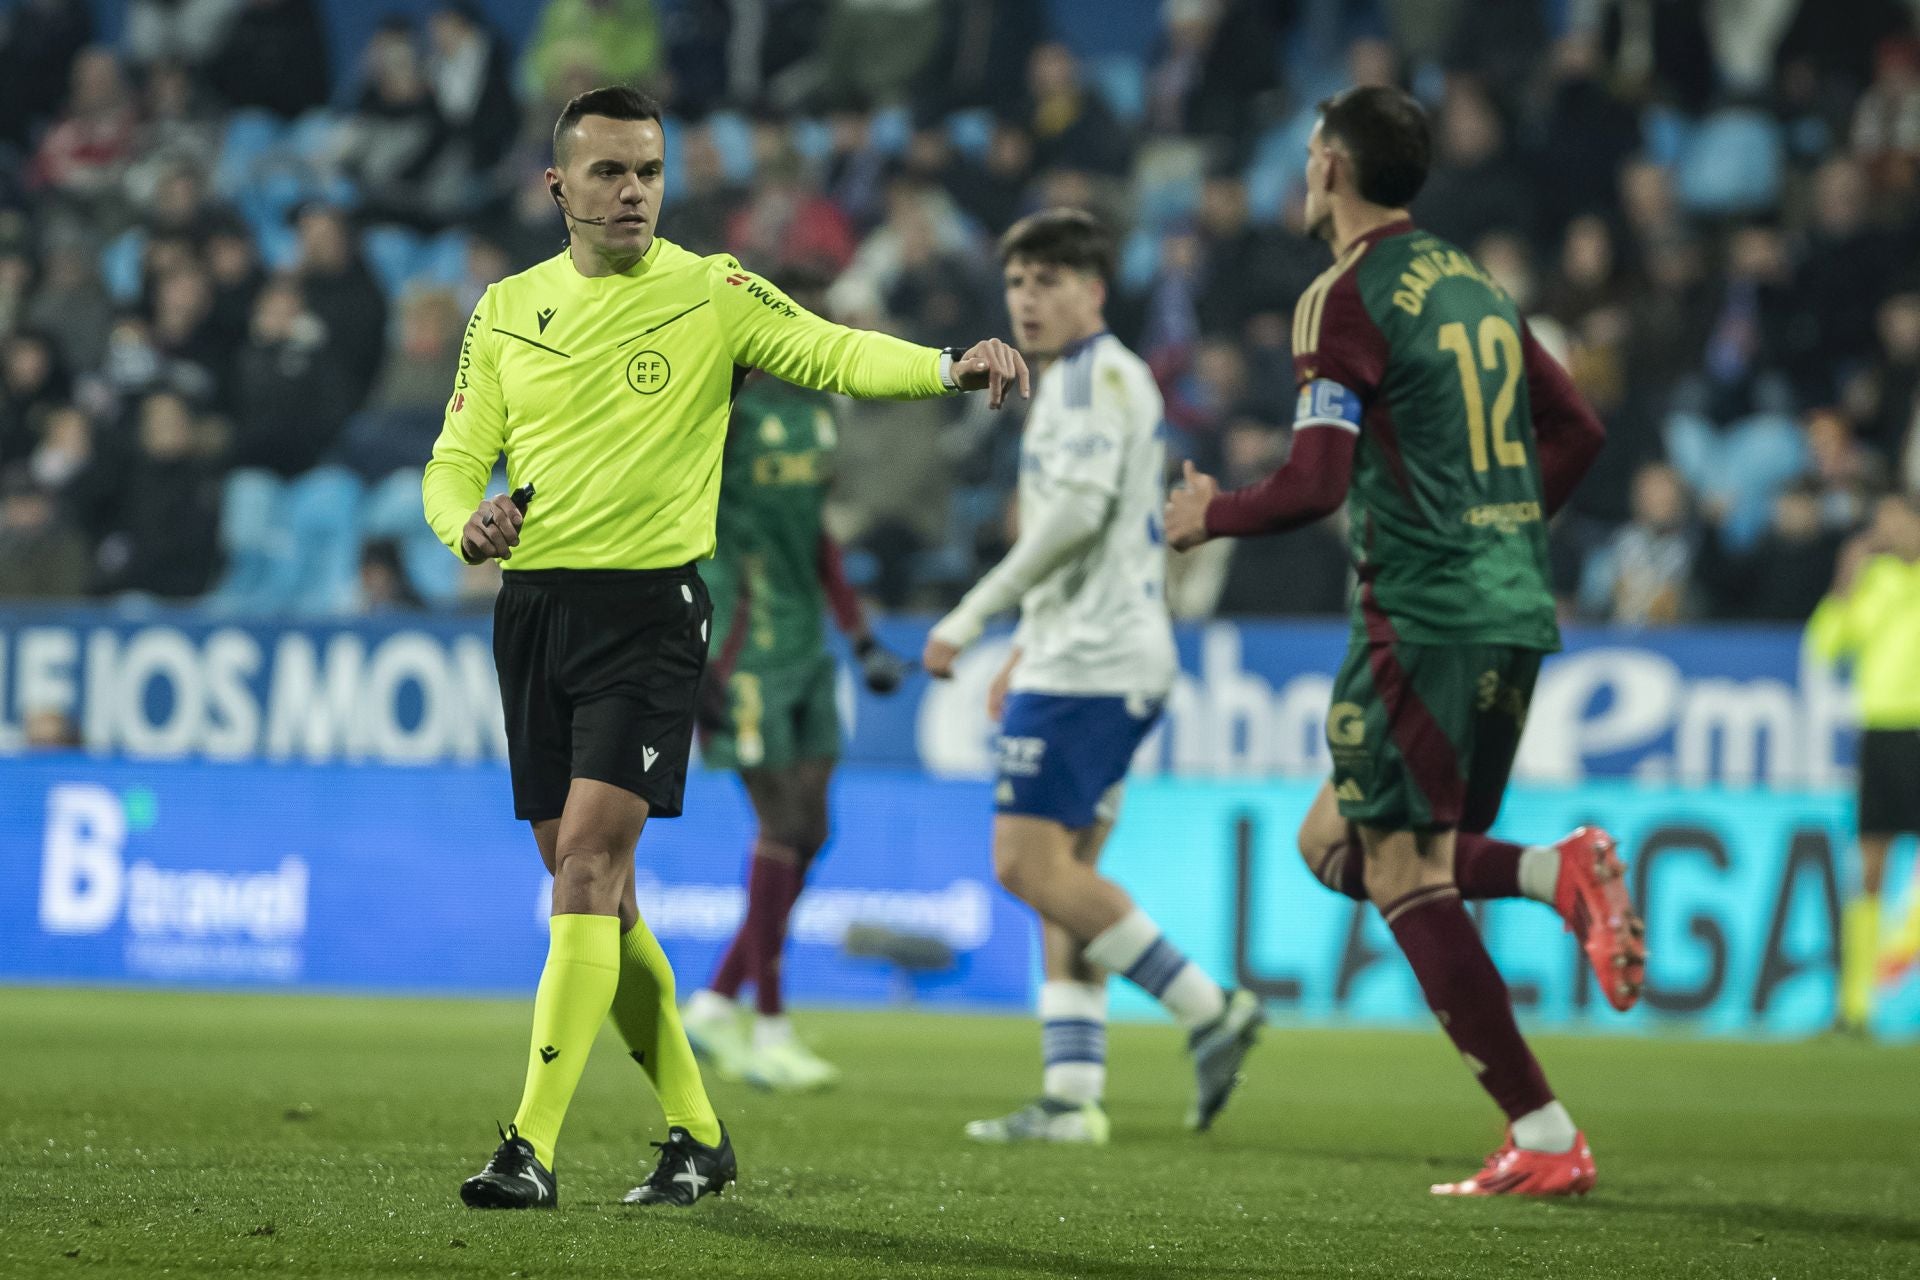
1335, 340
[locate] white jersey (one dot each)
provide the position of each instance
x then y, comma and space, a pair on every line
1098, 624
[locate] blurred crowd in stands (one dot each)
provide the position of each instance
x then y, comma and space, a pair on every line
234, 274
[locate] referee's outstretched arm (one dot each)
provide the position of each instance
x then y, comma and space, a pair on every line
765, 329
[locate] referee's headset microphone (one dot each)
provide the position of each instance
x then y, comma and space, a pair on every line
560, 203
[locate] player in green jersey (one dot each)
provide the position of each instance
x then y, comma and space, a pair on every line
605, 375
771, 712
1427, 405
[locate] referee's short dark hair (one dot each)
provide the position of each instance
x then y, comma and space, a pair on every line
614, 101
1386, 134
1071, 238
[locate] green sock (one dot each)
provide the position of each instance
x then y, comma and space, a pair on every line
583, 969
649, 1021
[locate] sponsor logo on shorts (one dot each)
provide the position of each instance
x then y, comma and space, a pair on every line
1346, 725
1021, 757
648, 372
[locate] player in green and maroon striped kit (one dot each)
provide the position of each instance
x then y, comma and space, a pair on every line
770, 712
1427, 405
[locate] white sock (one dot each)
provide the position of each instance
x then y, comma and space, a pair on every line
1548, 1129
770, 1031
709, 1006
1540, 872
1073, 1040
1135, 948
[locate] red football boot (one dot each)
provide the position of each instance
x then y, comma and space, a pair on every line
1591, 897
1511, 1171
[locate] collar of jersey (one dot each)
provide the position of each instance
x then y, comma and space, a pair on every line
1398, 228
634, 272
1075, 347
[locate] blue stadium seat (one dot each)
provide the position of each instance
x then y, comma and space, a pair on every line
733, 138
1121, 79
393, 511
1731, 163
321, 573
891, 130
395, 254
971, 132
443, 260
252, 537
812, 139
120, 265
293, 546
250, 137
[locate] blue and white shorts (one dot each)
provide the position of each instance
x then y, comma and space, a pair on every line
1062, 757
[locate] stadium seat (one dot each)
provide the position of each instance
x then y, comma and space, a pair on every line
443, 260
733, 139
971, 131
1731, 164
120, 265
395, 254
1121, 80
293, 546
393, 511
252, 538
323, 526
1745, 465
250, 137
890, 131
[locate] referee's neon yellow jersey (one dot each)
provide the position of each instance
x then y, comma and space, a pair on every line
610, 395
1877, 624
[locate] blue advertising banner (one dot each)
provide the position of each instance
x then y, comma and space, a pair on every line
1735, 706
351, 877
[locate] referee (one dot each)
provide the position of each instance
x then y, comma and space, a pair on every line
1872, 616
605, 375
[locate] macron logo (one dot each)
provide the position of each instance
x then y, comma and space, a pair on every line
647, 756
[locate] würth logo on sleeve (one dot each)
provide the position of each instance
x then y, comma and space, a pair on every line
763, 295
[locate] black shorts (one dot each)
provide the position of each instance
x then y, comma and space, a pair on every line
1889, 781
599, 672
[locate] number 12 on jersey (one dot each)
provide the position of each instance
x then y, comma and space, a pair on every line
1499, 353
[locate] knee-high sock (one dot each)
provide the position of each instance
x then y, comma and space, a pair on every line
1134, 948
736, 966
1467, 994
1073, 1040
769, 898
778, 885
1482, 868
576, 988
1486, 868
649, 1021
1859, 955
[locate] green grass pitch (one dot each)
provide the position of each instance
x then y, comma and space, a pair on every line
194, 1135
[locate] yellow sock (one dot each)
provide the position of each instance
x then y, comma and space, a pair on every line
649, 1021
1859, 952
576, 987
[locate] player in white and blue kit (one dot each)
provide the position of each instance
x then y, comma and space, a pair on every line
1092, 663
